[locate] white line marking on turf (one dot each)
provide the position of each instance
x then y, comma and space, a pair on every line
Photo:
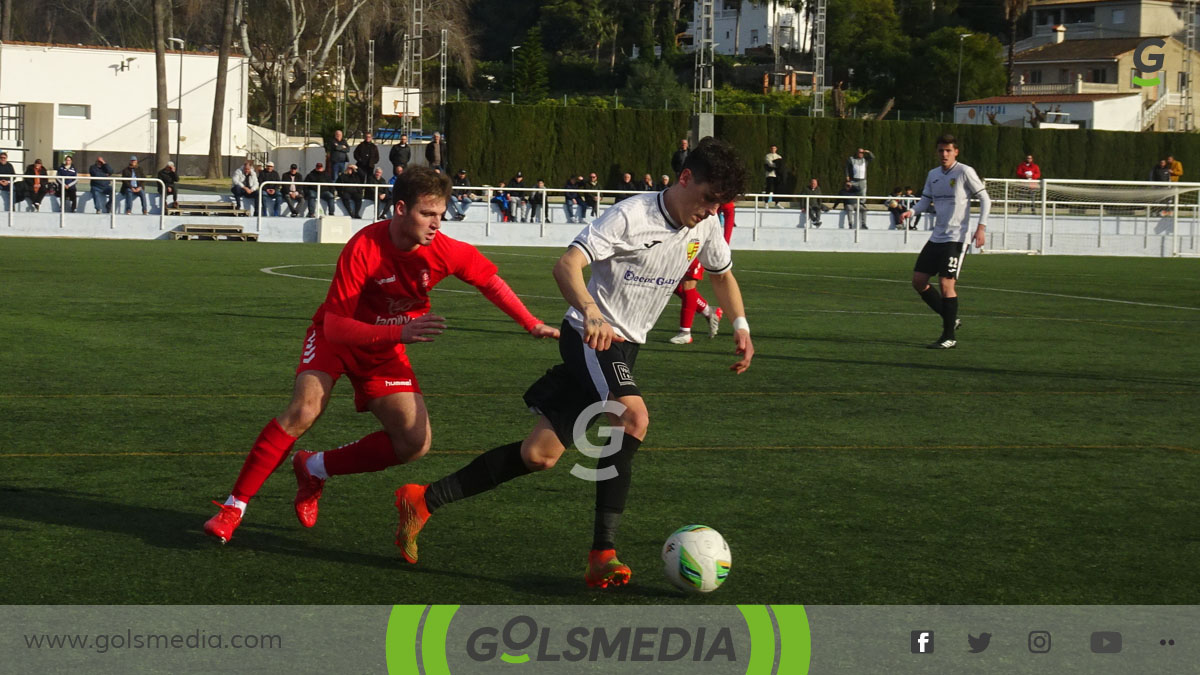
984, 288
271, 270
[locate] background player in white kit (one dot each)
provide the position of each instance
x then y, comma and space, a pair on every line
950, 188
638, 251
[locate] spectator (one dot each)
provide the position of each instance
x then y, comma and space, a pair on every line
538, 208
1161, 172
270, 193
813, 206
500, 200
647, 184
245, 184
339, 153
856, 169
382, 196
626, 185
910, 200
680, 156
351, 195
664, 182
102, 192
1029, 170
435, 152
133, 187
37, 185
401, 153
726, 213
6, 186
572, 202
591, 198
1176, 168
69, 195
772, 164
313, 191
897, 207
518, 199
292, 191
367, 156
852, 207
462, 197
169, 178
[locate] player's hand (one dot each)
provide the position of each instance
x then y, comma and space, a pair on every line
598, 333
980, 237
543, 331
745, 347
419, 328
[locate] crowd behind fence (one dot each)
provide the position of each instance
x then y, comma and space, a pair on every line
1112, 207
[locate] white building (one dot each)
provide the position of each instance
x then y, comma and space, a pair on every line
94, 100
762, 26
1110, 111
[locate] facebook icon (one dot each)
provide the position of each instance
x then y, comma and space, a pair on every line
922, 642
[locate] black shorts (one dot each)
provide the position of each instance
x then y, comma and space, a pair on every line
939, 259
584, 377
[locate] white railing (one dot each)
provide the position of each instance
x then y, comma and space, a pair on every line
112, 193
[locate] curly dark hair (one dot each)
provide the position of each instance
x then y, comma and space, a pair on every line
718, 164
418, 182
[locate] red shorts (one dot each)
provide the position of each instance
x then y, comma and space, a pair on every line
694, 273
372, 375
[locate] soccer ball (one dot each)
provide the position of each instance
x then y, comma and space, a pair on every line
696, 558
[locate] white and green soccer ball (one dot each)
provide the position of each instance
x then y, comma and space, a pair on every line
696, 558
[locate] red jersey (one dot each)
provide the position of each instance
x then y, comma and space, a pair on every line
379, 284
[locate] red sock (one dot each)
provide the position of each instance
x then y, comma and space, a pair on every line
692, 303
270, 449
701, 303
369, 453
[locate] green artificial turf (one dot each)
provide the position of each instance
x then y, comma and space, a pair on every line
1052, 457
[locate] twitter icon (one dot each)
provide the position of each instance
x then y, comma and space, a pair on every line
980, 643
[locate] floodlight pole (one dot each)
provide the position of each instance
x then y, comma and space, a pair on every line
958, 87
512, 64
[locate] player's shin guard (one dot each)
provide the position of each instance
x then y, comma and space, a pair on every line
949, 316
270, 449
492, 468
612, 493
932, 298
373, 452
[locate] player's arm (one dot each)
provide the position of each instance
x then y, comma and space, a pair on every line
730, 297
985, 206
344, 330
922, 204
568, 272
502, 296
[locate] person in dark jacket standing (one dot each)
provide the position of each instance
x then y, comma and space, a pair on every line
68, 186
401, 153
339, 153
435, 153
680, 156
169, 177
367, 156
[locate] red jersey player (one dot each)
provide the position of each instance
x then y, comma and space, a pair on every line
692, 300
377, 303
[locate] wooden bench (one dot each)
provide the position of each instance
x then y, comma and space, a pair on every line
206, 209
214, 233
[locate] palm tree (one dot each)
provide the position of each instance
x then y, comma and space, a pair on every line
1013, 11
163, 141
218, 118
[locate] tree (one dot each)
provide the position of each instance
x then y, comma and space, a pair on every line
218, 118
1013, 11
163, 127
531, 77
864, 36
651, 85
933, 72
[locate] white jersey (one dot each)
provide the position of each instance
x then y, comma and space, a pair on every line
638, 256
951, 191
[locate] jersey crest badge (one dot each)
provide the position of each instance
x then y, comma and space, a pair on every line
425, 279
953, 182
693, 249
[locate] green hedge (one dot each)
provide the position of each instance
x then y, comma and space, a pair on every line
493, 142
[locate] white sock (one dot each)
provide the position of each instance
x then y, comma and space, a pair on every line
316, 466
684, 330
241, 505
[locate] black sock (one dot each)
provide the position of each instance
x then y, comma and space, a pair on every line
485, 472
932, 298
949, 316
612, 493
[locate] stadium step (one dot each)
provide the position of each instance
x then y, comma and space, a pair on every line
213, 233
206, 209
